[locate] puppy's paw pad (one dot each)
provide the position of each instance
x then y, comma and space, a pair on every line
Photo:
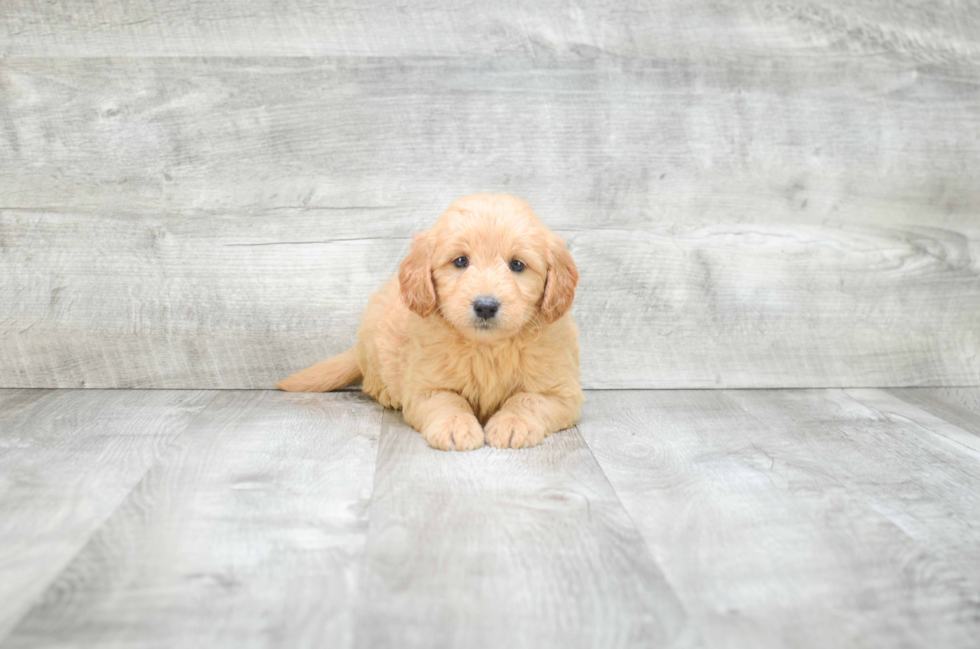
508, 430
455, 433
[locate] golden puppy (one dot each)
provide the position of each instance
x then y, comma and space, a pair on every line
472, 339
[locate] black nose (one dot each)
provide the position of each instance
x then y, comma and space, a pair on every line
485, 307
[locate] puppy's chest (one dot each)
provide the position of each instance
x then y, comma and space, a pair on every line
489, 376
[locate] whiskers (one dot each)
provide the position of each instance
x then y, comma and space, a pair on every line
535, 323
531, 327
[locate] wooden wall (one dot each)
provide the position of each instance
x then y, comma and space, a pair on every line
203, 194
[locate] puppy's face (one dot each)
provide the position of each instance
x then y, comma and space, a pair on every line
489, 268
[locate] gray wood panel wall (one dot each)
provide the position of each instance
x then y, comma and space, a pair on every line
756, 195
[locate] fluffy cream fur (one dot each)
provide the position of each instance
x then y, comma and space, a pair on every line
460, 381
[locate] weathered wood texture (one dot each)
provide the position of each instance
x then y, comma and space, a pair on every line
67, 459
800, 518
756, 519
739, 222
546, 28
959, 406
247, 533
496, 548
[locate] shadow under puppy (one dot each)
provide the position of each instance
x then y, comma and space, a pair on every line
472, 339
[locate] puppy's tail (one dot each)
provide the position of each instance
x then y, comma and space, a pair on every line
325, 376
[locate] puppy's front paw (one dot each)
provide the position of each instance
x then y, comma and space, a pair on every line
509, 430
455, 433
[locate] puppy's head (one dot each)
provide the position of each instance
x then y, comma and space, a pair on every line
489, 267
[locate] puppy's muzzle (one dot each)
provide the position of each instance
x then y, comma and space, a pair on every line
485, 307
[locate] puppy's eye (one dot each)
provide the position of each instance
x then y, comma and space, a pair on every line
461, 262
516, 265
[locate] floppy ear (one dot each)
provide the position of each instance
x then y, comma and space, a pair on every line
415, 277
559, 288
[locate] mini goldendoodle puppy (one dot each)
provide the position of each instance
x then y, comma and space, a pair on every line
472, 339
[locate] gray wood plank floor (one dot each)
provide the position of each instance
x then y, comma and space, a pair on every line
960, 406
759, 518
500, 549
247, 532
67, 461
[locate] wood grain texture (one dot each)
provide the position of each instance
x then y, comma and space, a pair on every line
67, 459
754, 222
550, 28
606, 142
893, 406
958, 406
798, 518
759, 518
918, 470
506, 549
246, 534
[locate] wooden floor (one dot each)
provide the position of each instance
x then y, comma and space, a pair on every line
756, 518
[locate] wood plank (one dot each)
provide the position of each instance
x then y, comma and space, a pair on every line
958, 406
807, 237
506, 549
914, 468
67, 459
247, 533
787, 518
893, 407
549, 28
599, 143
706, 307
15, 405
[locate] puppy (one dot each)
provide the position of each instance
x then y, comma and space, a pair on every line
472, 339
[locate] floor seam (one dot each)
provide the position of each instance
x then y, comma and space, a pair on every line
362, 560
688, 616
88, 539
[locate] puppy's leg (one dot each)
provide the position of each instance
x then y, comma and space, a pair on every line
445, 420
527, 418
